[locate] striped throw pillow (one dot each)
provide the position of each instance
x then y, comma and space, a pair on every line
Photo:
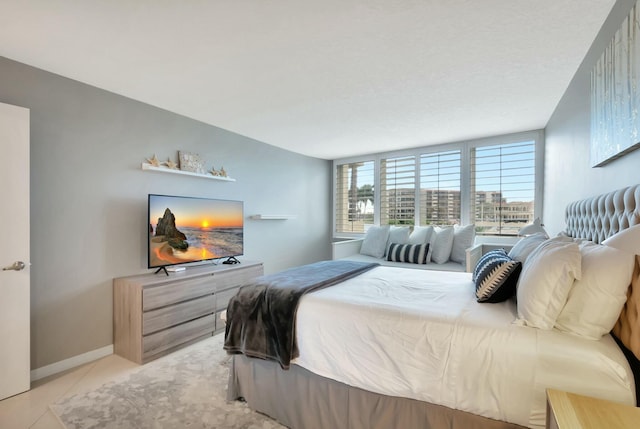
483, 260
412, 253
496, 277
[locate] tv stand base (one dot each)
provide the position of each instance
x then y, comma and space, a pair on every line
231, 260
163, 268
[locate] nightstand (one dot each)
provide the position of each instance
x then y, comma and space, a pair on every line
570, 411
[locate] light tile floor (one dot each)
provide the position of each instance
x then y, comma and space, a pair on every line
31, 409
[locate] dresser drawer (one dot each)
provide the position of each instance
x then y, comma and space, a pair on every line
231, 279
222, 298
165, 317
163, 340
159, 296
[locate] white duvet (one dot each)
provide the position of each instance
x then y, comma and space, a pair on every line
422, 335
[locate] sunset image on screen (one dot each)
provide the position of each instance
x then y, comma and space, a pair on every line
183, 229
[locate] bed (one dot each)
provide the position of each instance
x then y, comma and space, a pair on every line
369, 356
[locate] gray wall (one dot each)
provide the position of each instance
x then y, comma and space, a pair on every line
568, 175
89, 199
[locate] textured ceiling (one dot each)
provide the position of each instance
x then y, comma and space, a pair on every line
328, 79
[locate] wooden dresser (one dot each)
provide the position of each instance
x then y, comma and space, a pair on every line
155, 314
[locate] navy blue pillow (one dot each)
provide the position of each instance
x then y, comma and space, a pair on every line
496, 277
481, 262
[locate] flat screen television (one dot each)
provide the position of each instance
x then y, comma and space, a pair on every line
189, 229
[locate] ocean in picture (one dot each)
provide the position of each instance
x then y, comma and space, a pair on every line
204, 243
216, 242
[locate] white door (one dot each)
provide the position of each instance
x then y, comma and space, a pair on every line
14, 252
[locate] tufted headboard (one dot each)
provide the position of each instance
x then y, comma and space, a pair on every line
597, 219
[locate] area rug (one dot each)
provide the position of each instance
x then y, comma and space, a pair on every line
186, 389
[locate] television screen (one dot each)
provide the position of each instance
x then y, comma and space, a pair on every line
188, 229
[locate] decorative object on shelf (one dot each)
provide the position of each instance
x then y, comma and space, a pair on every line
171, 164
149, 167
191, 162
218, 173
272, 217
615, 95
154, 161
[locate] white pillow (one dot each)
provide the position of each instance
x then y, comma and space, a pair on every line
398, 235
421, 234
545, 282
523, 248
463, 238
441, 244
595, 301
375, 241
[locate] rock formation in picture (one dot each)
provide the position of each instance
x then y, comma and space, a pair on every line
167, 228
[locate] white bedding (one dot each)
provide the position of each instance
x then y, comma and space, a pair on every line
421, 335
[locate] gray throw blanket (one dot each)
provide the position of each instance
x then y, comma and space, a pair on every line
261, 316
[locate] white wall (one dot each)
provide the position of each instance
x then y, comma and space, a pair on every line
568, 175
89, 199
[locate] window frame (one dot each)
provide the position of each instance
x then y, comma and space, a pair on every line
465, 174
386, 188
441, 151
335, 187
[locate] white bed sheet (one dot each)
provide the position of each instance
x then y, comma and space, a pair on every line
421, 335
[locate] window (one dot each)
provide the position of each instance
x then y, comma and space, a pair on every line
354, 197
440, 188
503, 183
398, 191
494, 183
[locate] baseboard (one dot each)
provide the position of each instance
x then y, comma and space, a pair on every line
72, 362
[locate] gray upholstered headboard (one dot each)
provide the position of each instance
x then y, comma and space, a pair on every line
598, 218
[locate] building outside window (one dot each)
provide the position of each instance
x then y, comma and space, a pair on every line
503, 183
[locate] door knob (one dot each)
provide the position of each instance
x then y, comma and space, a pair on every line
16, 266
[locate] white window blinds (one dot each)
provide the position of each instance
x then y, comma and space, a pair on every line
354, 197
440, 188
502, 187
397, 190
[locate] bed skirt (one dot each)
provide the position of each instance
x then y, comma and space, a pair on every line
300, 399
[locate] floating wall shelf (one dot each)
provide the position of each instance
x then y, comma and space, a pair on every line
149, 167
272, 217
